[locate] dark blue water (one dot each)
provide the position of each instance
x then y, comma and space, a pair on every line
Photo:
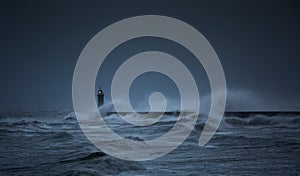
50, 142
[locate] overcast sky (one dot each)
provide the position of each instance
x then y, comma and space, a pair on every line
257, 43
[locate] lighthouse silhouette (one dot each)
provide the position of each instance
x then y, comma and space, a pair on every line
100, 97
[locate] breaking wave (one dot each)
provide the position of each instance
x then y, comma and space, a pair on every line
263, 120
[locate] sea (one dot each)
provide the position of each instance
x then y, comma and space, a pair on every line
50, 142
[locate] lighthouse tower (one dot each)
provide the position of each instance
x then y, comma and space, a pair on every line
100, 97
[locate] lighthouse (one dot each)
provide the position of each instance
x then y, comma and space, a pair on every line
100, 97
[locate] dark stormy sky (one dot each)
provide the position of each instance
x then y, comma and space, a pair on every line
257, 43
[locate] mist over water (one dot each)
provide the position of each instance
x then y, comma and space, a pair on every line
237, 100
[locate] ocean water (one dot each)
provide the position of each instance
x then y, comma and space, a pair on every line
50, 142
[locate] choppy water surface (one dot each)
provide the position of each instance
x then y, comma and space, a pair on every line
50, 142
